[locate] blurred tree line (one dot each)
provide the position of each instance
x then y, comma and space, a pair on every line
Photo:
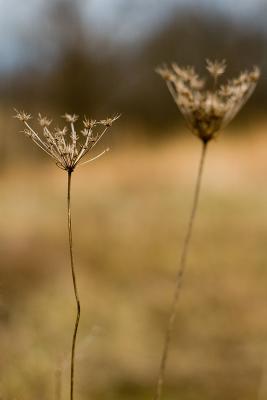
76, 69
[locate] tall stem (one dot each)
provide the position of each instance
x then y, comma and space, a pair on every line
179, 278
75, 291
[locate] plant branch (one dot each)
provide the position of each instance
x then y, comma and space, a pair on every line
75, 289
179, 278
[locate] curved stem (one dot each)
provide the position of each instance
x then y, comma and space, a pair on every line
75, 290
179, 278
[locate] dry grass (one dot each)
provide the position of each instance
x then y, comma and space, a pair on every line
130, 211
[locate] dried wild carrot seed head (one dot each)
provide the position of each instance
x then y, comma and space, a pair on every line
208, 111
63, 144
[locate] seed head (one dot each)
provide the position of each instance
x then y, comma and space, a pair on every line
44, 121
109, 121
208, 111
89, 123
255, 74
60, 132
70, 117
63, 144
216, 68
22, 116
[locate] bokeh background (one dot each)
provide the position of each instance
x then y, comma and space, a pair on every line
130, 208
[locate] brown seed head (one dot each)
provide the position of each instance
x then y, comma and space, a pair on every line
44, 121
70, 117
109, 121
64, 145
89, 123
22, 116
216, 68
208, 111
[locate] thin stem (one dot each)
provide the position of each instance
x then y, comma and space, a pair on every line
75, 291
90, 148
95, 158
179, 278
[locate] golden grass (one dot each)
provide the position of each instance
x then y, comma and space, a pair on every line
130, 211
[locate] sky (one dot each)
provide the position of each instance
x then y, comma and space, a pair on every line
123, 20
145, 14
244, 7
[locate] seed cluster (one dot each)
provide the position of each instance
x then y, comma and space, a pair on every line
63, 144
206, 111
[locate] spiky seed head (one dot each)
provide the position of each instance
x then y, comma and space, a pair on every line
72, 118
89, 123
22, 115
85, 132
27, 132
216, 68
208, 111
165, 73
109, 121
44, 121
255, 74
64, 145
61, 132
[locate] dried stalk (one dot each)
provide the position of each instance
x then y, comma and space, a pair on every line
206, 113
179, 278
68, 150
74, 337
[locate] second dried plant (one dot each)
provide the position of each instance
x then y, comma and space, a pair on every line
68, 147
207, 108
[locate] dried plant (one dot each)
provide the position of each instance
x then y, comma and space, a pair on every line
206, 112
68, 151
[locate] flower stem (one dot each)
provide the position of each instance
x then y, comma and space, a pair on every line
75, 290
179, 278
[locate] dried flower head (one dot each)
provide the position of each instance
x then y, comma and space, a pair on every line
216, 68
63, 144
44, 121
70, 117
208, 111
22, 116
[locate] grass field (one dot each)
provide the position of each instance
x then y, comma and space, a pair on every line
130, 211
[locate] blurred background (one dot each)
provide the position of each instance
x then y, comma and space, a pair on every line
130, 208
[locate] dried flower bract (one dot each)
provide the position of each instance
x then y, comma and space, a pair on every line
216, 68
63, 144
208, 111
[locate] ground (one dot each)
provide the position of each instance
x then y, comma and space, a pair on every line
130, 211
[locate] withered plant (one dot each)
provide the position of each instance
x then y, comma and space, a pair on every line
69, 150
207, 108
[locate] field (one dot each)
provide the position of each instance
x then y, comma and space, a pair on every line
130, 211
